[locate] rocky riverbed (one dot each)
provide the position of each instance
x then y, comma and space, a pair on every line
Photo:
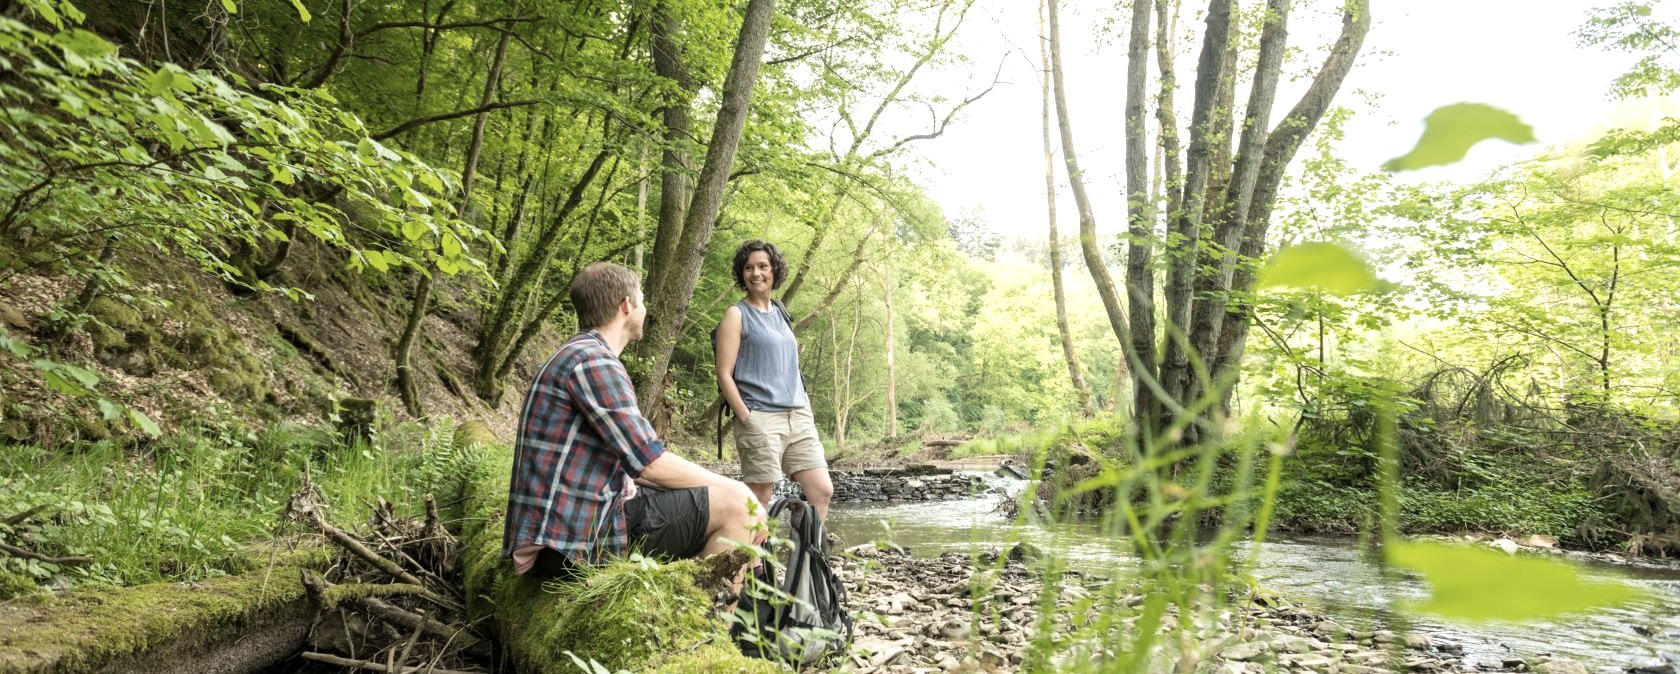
920, 616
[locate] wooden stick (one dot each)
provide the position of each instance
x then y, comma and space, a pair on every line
16, 551
376, 667
19, 518
303, 508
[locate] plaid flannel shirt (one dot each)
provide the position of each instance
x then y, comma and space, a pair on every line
580, 434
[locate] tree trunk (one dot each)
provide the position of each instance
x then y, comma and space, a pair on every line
673, 162
888, 282
494, 339
1076, 181
671, 298
641, 208
1080, 388
407, 387
1181, 248
1139, 354
1230, 214
1281, 145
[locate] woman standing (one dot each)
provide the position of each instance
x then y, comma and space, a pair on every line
758, 373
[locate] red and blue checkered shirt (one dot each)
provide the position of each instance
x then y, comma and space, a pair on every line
580, 434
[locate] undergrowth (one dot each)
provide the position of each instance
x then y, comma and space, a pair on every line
181, 508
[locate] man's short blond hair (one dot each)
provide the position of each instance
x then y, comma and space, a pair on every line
597, 290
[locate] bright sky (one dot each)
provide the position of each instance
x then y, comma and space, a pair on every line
1420, 54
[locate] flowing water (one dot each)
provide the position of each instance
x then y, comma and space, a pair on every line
1326, 572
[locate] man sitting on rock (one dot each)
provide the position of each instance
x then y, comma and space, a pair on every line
583, 447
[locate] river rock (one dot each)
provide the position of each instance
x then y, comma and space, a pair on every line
1244, 651
1653, 666
1558, 666
1418, 641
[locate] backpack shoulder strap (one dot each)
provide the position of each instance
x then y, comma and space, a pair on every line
783, 310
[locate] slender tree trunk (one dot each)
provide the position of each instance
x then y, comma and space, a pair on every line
1166, 41
407, 387
641, 207
673, 159
1230, 214
1140, 226
1604, 333
1080, 388
677, 291
1076, 181
1281, 144
888, 282
822, 226
1181, 249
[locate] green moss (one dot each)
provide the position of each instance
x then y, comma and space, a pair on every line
85, 629
16, 584
624, 615
117, 315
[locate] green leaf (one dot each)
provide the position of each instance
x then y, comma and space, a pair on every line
303, 12
17, 347
413, 229
1476, 583
85, 44
83, 375
230, 6
144, 423
1450, 131
109, 410
431, 180
1320, 266
377, 259
451, 245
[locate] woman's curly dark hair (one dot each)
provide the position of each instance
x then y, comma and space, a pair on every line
778, 266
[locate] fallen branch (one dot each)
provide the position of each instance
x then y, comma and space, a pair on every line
20, 518
376, 667
16, 551
304, 508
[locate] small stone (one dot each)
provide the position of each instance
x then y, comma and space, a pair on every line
1329, 629
891, 655
1289, 644
1245, 651
1418, 641
1315, 662
1652, 666
1559, 666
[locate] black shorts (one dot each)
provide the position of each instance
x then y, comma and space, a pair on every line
668, 523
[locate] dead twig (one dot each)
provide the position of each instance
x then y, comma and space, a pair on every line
16, 551
305, 508
376, 667
20, 518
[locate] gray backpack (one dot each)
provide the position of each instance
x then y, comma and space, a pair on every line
803, 619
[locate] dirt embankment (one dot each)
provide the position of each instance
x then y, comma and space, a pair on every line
183, 349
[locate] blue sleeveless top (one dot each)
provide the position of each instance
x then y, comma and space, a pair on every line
767, 365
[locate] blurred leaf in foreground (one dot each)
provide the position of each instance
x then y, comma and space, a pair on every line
1322, 266
1450, 131
1478, 583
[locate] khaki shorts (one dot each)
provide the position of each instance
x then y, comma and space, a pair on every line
773, 444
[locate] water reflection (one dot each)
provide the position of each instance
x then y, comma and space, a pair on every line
1326, 571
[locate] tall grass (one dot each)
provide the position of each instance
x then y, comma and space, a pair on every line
1026, 442
183, 507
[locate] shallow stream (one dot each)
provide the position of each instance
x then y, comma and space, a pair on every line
1326, 572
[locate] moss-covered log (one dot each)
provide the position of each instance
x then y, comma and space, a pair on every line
635, 616
243, 623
